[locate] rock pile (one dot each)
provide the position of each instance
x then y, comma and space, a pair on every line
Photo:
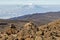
50, 31
30, 31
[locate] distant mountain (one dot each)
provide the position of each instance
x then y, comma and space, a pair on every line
9, 11
40, 18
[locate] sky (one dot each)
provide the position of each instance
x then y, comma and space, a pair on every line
30, 2
15, 8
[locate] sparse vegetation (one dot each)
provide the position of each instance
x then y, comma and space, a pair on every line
30, 31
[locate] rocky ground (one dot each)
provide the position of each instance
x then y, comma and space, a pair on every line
30, 31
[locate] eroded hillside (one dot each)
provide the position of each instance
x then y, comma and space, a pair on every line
30, 31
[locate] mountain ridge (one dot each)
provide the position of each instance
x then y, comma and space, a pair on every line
40, 17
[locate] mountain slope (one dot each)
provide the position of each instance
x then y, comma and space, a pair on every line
40, 18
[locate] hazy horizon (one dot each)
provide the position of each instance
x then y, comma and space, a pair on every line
9, 11
15, 8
